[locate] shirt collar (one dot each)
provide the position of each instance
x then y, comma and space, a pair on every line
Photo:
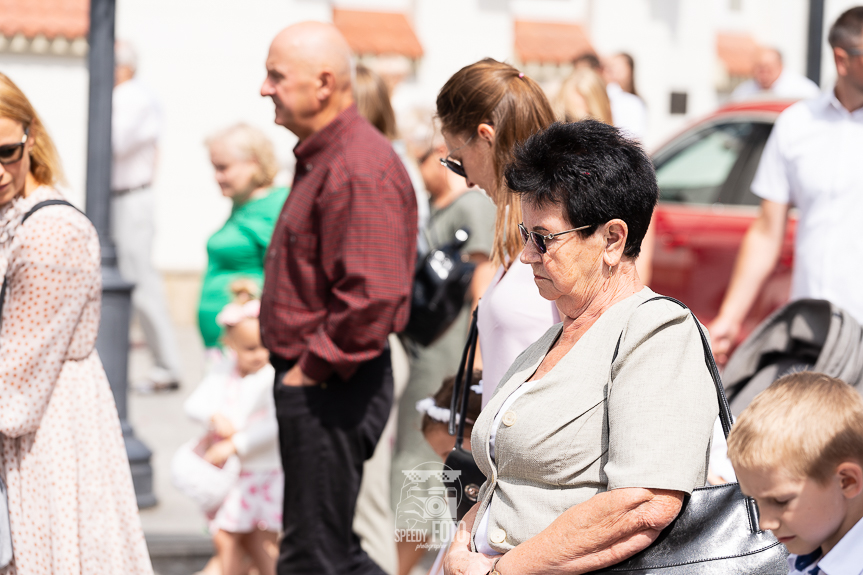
829, 100
326, 136
846, 557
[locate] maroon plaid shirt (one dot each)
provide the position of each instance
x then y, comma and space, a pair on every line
340, 266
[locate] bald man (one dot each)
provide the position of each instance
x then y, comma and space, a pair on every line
771, 80
339, 274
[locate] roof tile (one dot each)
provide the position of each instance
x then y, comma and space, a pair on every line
550, 42
738, 52
50, 18
378, 33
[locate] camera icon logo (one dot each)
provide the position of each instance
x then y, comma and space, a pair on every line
426, 498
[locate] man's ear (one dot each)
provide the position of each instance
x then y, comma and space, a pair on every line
486, 133
326, 85
850, 478
840, 57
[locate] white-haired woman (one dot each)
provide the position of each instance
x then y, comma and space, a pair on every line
245, 166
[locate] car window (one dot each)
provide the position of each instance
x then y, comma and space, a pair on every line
745, 196
698, 167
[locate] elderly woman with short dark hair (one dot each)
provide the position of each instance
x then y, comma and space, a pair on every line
600, 428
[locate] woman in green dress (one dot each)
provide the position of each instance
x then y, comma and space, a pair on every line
245, 166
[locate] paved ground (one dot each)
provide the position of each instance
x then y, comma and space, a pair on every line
175, 528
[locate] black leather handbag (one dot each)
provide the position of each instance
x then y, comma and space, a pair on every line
716, 532
441, 282
467, 481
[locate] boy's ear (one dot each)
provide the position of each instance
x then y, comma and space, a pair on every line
850, 478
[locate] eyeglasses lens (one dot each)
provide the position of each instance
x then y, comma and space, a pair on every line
11, 154
538, 240
456, 167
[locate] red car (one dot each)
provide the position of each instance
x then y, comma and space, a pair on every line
706, 206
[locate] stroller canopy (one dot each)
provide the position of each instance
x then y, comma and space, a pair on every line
807, 334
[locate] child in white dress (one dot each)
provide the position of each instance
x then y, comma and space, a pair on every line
235, 402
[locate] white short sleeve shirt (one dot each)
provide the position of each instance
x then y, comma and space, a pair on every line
814, 160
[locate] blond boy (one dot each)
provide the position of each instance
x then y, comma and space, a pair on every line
798, 451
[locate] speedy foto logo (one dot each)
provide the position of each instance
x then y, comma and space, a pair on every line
426, 512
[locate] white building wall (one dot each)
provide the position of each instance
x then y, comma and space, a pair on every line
204, 59
57, 86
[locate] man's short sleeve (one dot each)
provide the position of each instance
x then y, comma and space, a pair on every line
661, 403
772, 180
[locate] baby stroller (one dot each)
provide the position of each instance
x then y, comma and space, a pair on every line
807, 334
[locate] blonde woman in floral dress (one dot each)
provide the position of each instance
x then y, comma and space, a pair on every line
71, 502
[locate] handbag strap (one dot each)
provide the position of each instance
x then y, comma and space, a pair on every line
463, 382
32, 211
724, 410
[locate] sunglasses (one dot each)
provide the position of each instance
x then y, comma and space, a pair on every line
539, 239
11, 153
454, 165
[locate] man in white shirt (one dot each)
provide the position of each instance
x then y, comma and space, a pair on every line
136, 123
812, 160
771, 79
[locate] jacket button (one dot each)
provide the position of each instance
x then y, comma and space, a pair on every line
509, 418
497, 536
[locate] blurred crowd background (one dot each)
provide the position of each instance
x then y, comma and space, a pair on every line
202, 60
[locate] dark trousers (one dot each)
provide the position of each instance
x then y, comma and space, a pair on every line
326, 432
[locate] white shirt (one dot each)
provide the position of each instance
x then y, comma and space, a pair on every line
481, 536
512, 315
135, 125
814, 160
248, 404
788, 85
846, 558
627, 111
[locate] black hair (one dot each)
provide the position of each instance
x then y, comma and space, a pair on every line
846, 31
592, 171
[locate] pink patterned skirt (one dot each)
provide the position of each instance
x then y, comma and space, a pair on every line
255, 502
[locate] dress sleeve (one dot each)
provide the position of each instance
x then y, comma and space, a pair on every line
262, 428
661, 404
53, 275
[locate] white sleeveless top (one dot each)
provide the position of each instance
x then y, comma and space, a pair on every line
512, 315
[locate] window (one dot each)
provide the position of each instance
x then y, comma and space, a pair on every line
696, 170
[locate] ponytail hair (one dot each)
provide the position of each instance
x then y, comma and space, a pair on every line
491, 92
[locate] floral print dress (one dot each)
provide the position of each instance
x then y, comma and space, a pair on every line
71, 501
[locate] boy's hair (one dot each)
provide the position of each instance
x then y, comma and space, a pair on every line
806, 423
443, 398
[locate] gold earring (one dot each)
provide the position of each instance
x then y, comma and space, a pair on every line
610, 272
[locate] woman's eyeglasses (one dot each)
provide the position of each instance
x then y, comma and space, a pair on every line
11, 153
539, 239
455, 165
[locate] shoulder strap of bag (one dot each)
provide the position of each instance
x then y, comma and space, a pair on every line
33, 210
724, 410
463, 382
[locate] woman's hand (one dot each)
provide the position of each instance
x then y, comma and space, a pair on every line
219, 452
460, 560
221, 426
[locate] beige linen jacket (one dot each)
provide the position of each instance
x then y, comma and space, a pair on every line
591, 425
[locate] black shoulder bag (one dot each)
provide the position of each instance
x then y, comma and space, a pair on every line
469, 478
716, 532
441, 282
5, 527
